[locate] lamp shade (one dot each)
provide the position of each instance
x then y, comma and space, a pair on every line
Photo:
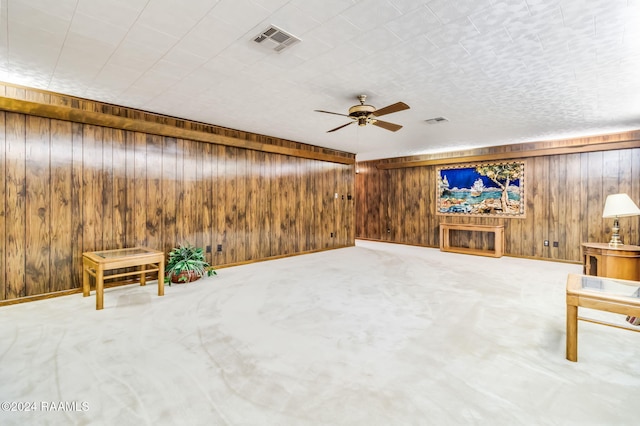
619, 205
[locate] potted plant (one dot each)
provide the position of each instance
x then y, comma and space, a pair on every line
187, 263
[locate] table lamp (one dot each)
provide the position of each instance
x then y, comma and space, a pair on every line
619, 205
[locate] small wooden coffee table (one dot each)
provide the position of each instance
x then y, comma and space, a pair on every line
603, 294
95, 263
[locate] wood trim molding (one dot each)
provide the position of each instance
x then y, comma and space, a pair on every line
134, 125
616, 141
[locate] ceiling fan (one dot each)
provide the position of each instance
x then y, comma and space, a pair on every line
368, 114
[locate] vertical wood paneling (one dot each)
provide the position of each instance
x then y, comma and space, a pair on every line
374, 221
557, 174
584, 197
275, 172
319, 229
220, 199
193, 190
140, 189
154, 180
420, 201
385, 207
119, 195
61, 257
396, 208
207, 200
328, 201
93, 188
169, 192
67, 188
262, 206
571, 206
540, 216
77, 204
130, 183
107, 191
634, 193
15, 206
38, 205
231, 206
3, 174
242, 250
295, 212
347, 177
181, 206
339, 206
197, 188
284, 205
16, 92
565, 196
595, 191
412, 206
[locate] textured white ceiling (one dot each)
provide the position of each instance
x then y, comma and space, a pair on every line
501, 71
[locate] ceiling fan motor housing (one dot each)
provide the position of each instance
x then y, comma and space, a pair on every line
361, 113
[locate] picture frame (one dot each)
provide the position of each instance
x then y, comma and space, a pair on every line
491, 189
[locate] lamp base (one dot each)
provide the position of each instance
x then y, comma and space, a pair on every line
615, 242
615, 238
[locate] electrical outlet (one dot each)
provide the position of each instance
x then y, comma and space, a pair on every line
208, 249
555, 244
546, 243
332, 235
219, 248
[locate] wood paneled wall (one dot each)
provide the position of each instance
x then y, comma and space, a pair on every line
67, 188
565, 196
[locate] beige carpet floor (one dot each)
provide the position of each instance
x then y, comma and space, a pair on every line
377, 334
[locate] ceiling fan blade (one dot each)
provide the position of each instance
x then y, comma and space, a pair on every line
338, 128
386, 125
329, 112
398, 106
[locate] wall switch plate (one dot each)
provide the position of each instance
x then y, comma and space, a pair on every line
555, 244
219, 248
208, 249
546, 243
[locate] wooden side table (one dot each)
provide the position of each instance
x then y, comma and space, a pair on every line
617, 296
95, 263
621, 262
497, 231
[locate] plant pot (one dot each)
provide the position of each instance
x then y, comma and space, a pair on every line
190, 277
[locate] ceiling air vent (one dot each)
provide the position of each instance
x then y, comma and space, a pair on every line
436, 120
276, 39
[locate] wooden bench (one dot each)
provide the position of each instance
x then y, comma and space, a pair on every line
497, 230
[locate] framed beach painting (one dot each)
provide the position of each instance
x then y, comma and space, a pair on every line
485, 189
